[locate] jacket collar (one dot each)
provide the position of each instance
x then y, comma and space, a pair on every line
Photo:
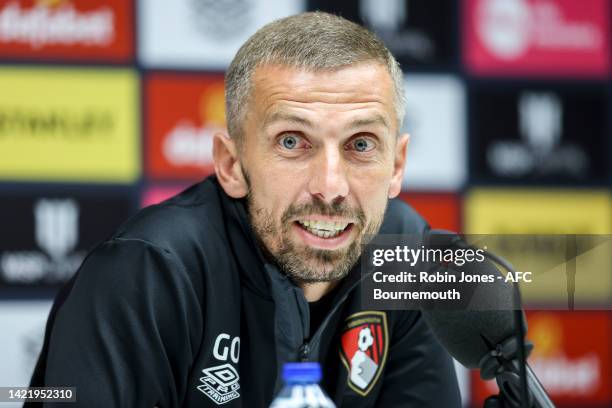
247, 253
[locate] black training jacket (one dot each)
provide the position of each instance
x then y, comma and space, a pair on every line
180, 309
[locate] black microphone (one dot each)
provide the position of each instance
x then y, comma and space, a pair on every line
570, 268
483, 338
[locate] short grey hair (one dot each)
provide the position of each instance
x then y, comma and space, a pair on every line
314, 41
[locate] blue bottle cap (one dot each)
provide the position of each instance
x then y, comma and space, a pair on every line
302, 372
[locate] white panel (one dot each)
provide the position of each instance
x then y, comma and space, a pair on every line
435, 119
202, 33
22, 328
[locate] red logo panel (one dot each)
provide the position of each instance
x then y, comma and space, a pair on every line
571, 358
67, 29
440, 210
183, 112
546, 37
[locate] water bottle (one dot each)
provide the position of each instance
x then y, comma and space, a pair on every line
301, 388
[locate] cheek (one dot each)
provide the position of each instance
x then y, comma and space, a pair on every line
271, 166
372, 192
285, 181
372, 180
273, 192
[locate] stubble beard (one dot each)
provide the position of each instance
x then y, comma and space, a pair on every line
302, 263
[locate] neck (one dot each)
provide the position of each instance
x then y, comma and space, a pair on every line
315, 291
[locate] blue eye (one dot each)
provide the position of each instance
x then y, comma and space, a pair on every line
362, 144
293, 141
289, 142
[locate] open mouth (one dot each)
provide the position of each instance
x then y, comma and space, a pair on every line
325, 229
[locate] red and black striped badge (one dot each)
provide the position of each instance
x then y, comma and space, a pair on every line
363, 349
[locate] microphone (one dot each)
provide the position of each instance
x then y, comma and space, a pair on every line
491, 340
570, 268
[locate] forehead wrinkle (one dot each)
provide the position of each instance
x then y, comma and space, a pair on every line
320, 93
282, 116
292, 103
289, 112
277, 82
299, 95
375, 119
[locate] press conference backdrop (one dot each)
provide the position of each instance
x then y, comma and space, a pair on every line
108, 106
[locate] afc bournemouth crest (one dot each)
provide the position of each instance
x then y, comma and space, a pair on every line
363, 349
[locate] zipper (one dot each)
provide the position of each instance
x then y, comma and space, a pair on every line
305, 349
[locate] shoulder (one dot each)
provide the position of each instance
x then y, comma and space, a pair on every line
190, 218
182, 238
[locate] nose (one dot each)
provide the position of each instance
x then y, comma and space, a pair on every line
328, 178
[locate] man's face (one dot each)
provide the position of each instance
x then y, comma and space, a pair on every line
320, 159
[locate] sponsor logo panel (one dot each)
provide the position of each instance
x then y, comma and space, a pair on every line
546, 37
21, 339
435, 120
531, 211
52, 233
567, 212
528, 134
183, 113
419, 33
69, 125
67, 29
571, 358
202, 33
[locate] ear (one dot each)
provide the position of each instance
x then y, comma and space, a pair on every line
227, 166
399, 163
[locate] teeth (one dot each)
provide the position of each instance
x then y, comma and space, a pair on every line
323, 234
325, 225
324, 229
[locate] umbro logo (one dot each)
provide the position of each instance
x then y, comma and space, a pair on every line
220, 383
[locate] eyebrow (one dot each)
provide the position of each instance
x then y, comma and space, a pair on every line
375, 119
287, 117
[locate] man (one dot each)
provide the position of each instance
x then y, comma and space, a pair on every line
199, 301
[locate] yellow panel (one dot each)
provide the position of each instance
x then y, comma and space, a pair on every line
543, 214
525, 211
69, 125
